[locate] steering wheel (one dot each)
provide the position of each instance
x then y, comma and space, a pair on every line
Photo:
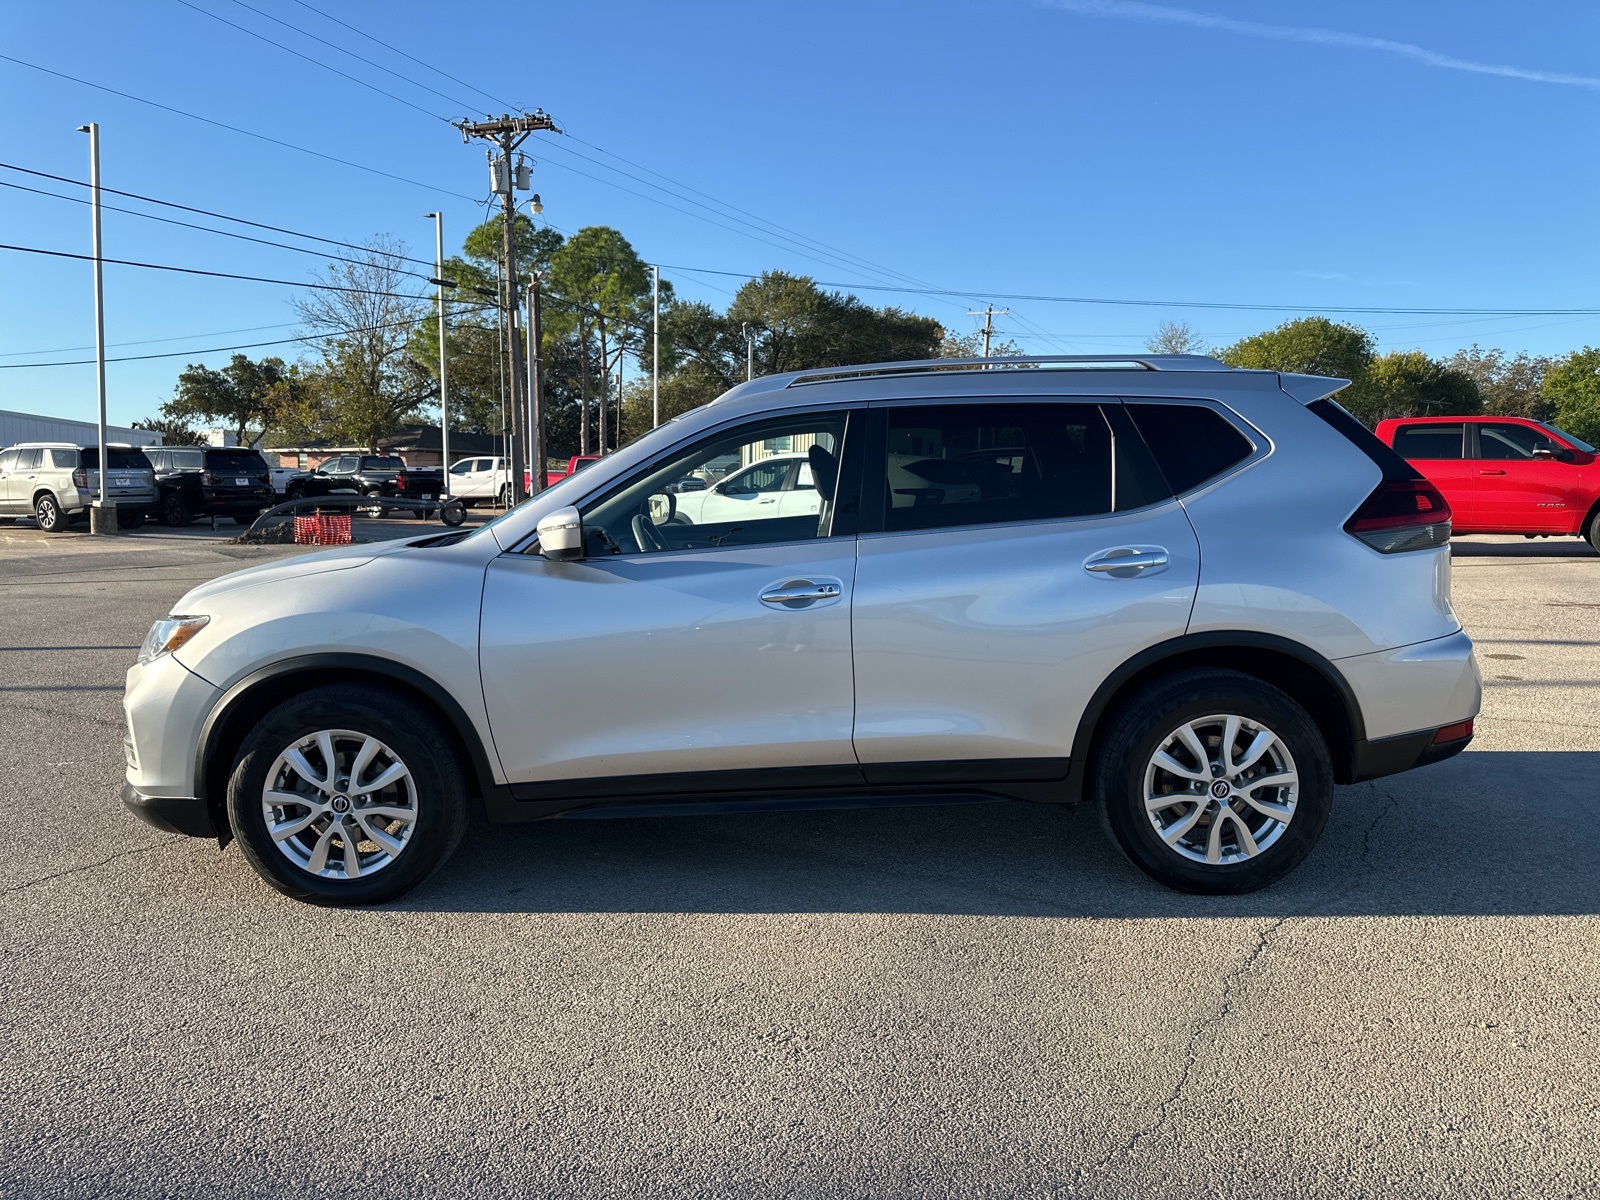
644, 533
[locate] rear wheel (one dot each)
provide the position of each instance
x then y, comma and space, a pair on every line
175, 511
346, 795
1592, 535
130, 518
505, 496
377, 510
47, 511
1214, 782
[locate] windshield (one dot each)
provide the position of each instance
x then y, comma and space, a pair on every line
1577, 443
123, 458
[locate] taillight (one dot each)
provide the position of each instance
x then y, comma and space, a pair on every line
80, 478
400, 481
207, 478
1402, 514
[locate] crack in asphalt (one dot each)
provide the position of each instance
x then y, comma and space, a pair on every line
78, 870
1213, 1020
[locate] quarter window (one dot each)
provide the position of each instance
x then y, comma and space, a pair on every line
1191, 443
1430, 441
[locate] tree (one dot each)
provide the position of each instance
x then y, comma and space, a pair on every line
244, 397
1509, 386
368, 382
970, 345
1314, 346
174, 431
1407, 383
1175, 338
1572, 389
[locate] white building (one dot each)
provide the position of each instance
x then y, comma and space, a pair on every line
31, 427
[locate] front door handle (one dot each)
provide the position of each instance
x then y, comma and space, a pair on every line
1123, 562
1491, 472
797, 593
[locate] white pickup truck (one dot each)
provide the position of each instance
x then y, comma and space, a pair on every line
485, 480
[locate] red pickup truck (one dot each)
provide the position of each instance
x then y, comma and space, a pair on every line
1504, 474
574, 464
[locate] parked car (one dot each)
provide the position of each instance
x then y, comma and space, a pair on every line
777, 485
209, 481
574, 464
486, 479
375, 475
56, 482
1504, 474
1196, 597
279, 478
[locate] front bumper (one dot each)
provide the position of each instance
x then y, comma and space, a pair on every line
172, 814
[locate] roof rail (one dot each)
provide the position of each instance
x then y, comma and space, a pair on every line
1143, 362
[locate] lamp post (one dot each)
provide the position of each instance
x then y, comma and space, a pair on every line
444, 387
102, 516
655, 346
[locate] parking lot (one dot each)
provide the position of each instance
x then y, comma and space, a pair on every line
967, 1001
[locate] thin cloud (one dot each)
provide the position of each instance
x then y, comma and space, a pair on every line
1162, 14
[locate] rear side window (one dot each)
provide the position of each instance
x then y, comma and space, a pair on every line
1191, 443
983, 464
229, 462
188, 460
63, 460
1428, 441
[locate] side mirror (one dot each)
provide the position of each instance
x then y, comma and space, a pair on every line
661, 506
561, 535
1544, 450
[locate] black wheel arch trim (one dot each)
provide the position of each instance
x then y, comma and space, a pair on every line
330, 665
1174, 649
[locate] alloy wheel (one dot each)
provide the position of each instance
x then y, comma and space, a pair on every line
340, 804
1220, 789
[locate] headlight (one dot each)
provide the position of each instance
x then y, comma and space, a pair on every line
169, 633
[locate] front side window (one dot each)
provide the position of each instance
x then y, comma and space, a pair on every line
982, 464
730, 489
8, 460
1430, 441
1511, 441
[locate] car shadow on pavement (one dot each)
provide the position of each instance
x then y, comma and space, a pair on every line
1552, 547
1486, 833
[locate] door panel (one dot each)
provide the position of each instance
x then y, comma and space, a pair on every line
1519, 493
988, 642
669, 662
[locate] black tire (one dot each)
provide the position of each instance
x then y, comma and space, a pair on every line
1592, 535
242, 519
294, 494
504, 499
453, 513
439, 801
48, 512
1144, 725
128, 518
175, 511
377, 510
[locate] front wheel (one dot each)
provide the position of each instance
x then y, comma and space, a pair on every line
505, 496
1214, 782
346, 795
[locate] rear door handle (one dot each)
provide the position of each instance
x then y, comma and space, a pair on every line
1491, 472
1123, 562
797, 593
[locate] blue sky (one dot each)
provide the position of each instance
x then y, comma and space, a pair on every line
1361, 154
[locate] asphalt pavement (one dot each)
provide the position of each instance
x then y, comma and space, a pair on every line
960, 1001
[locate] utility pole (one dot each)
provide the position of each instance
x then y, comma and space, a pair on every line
444, 387
989, 313
505, 180
102, 517
539, 469
655, 346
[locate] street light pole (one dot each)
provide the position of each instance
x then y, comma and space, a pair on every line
655, 346
102, 518
444, 387
749, 353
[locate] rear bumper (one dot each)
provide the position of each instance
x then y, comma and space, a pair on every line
171, 814
1416, 689
1389, 756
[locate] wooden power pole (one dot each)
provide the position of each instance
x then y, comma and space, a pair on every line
506, 179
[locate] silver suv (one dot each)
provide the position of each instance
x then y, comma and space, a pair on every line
1195, 597
57, 481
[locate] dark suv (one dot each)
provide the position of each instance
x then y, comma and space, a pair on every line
210, 481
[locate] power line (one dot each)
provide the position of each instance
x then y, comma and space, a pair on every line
145, 341
343, 162
243, 237
316, 62
310, 337
123, 262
